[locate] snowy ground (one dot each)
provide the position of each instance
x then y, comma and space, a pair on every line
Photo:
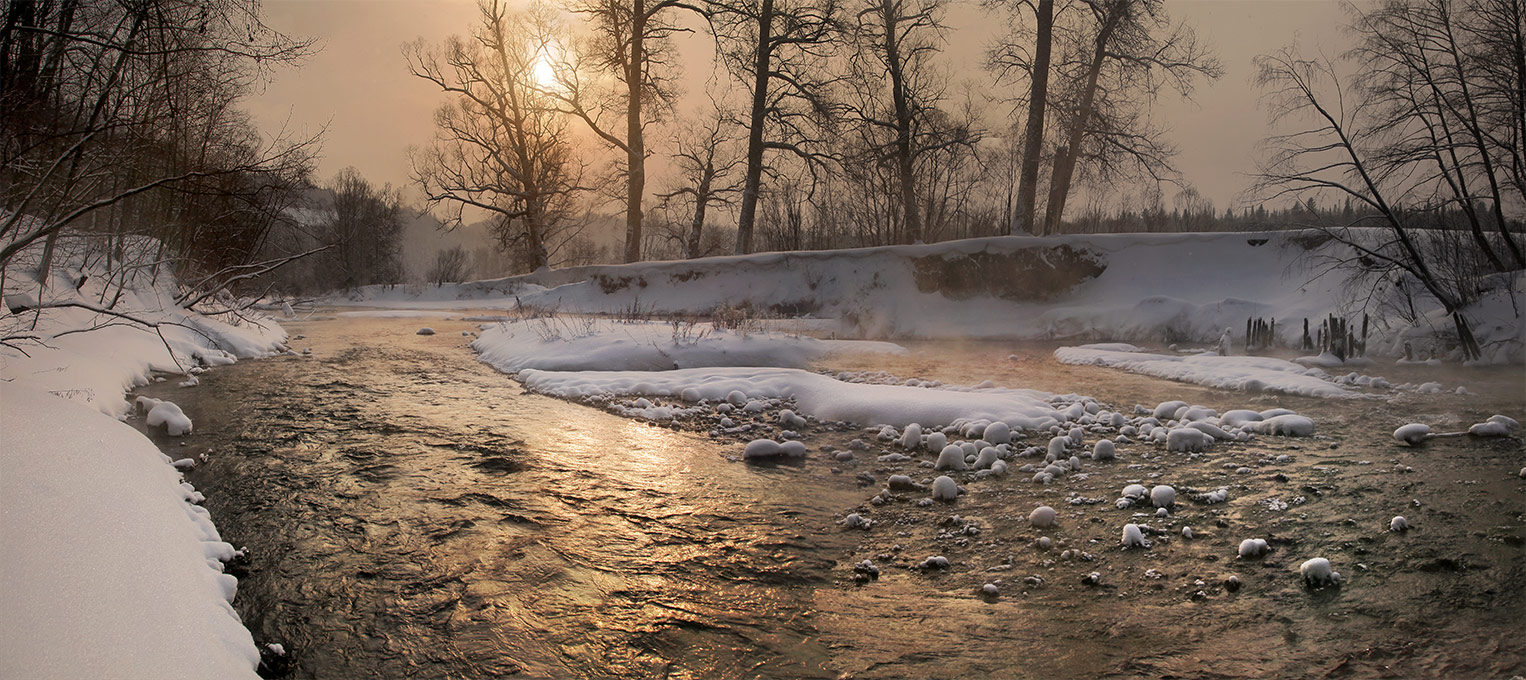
1238, 373
568, 343
1147, 288
110, 567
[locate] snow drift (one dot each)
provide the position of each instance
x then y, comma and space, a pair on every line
99, 366
110, 570
1181, 287
594, 344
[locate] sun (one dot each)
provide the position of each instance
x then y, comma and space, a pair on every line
543, 72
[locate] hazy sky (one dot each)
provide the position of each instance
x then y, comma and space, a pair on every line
359, 86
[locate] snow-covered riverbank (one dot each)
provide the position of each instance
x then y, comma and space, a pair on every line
110, 568
1146, 288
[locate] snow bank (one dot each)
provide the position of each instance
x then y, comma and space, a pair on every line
107, 566
109, 571
1246, 374
817, 395
98, 367
602, 345
1184, 287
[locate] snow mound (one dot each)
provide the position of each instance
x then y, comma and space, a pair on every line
1245, 374
605, 345
165, 414
822, 397
1317, 572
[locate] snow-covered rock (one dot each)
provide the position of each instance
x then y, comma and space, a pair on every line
1162, 496
788, 419
1489, 428
1133, 537
1042, 517
934, 562
1510, 423
1103, 450
1286, 424
951, 458
165, 414
1188, 440
988, 457
911, 437
1253, 547
765, 449
856, 521
997, 433
944, 489
1317, 572
1412, 434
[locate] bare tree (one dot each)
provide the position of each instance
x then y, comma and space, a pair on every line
631, 40
451, 265
1333, 151
777, 48
1010, 60
1124, 52
364, 225
501, 144
121, 118
1444, 82
896, 41
706, 162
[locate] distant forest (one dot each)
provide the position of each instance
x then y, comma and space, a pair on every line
831, 124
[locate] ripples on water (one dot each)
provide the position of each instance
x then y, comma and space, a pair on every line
411, 513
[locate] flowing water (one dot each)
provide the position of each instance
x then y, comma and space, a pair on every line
411, 513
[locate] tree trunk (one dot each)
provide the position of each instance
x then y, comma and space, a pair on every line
701, 199
1033, 138
1470, 349
755, 130
635, 143
911, 220
538, 256
1065, 159
1471, 123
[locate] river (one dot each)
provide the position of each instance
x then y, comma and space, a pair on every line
409, 512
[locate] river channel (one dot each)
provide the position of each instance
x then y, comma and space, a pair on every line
410, 513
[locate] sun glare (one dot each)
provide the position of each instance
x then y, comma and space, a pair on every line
542, 71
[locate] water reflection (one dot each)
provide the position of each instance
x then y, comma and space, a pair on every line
411, 513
